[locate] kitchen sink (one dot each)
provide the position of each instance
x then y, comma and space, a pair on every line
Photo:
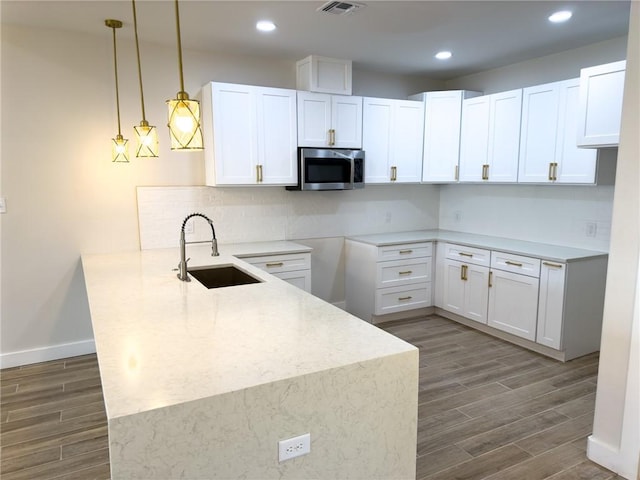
217, 277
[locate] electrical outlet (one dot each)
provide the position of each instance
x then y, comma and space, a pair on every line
457, 216
3, 205
294, 447
591, 229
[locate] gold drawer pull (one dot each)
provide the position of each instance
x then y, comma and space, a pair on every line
408, 272
276, 264
514, 264
465, 254
463, 272
405, 298
549, 264
490, 279
405, 252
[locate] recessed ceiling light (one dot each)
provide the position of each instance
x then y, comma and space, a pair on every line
561, 16
444, 55
266, 26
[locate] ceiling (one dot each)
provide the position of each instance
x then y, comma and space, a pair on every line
398, 37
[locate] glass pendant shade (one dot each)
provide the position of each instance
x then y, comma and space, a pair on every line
147, 140
120, 149
184, 123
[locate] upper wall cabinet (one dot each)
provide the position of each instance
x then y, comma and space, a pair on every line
323, 74
392, 140
548, 152
600, 111
329, 120
490, 137
442, 116
250, 135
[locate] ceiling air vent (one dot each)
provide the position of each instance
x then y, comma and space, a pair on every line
340, 8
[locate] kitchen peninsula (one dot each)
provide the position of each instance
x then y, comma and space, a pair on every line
204, 382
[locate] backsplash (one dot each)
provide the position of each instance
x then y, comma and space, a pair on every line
272, 213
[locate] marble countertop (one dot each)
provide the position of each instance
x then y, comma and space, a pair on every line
555, 253
162, 342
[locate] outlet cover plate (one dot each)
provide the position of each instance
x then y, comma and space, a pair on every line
294, 447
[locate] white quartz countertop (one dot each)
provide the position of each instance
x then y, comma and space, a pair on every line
532, 249
161, 341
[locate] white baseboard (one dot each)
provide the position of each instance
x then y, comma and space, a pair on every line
341, 305
45, 354
609, 457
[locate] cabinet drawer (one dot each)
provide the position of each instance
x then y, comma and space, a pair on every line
401, 298
475, 256
297, 278
281, 263
516, 264
407, 250
403, 272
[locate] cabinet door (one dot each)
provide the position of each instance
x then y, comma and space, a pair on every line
443, 113
504, 136
346, 120
551, 304
540, 105
474, 138
513, 303
300, 279
377, 119
453, 291
575, 165
234, 141
314, 119
476, 293
276, 122
406, 133
600, 107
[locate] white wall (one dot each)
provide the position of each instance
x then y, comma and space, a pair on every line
65, 196
615, 442
560, 66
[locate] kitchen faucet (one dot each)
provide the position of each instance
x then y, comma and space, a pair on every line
182, 266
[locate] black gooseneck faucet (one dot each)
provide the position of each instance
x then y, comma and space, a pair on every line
182, 266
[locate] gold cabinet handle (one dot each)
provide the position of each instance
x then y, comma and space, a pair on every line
405, 298
394, 174
554, 265
332, 137
463, 272
555, 171
514, 264
405, 252
276, 264
490, 279
408, 272
470, 255
550, 172
485, 171
259, 173
457, 174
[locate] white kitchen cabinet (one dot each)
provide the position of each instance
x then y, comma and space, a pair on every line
600, 106
548, 153
551, 303
490, 137
513, 303
294, 268
250, 135
392, 140
466, 281
329, 120
323, 74
388, 279
442, 117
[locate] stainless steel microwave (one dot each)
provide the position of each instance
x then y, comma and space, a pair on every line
329, 169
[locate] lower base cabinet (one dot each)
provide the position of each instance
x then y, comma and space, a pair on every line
293, 268
513, 303
387, 279
466, 290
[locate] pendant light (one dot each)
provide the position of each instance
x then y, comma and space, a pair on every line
119, 145
184, 114
146, 135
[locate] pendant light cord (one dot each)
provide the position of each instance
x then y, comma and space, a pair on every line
135, 29
115, 69
179, 47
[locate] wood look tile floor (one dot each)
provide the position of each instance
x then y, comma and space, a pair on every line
487, 410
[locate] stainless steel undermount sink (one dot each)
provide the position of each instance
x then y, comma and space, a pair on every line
223, 276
